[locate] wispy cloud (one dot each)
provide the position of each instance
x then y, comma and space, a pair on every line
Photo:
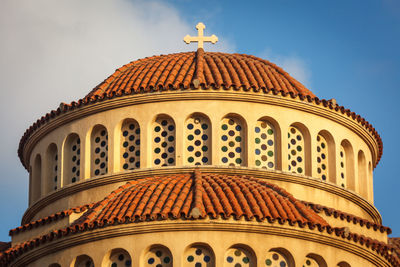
56, 51
294, 65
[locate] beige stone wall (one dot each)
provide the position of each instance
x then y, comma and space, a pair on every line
221, 240
281, 117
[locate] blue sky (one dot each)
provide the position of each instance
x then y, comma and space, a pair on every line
56, 51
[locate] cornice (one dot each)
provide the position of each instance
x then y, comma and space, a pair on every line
274, 229
256, 172
210, 94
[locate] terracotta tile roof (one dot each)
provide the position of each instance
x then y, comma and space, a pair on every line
395, 242
348, 217
48, 219
4, 246
193, 70
196, 196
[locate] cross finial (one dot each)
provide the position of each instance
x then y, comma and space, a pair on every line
200, 39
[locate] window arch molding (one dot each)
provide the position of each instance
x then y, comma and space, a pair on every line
163, 140
117, 257
331, 155
83, 260
284, 253
307, 145
347, 170
240, 254
315, 259
233, 140
277, 139
198, 139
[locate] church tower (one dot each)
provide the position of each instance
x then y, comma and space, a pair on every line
201, 159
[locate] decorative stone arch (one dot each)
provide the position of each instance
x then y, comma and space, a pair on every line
198, 140
51, 177
343, 264
127, 153
326, 146
199, 253
82, 261
98, 150
240, 255
362, 174
268, 143
157, 255
117, 257
314, 260
36, 178
72, 159
304, 152
277, 256
233, 140
346, 165
163, 141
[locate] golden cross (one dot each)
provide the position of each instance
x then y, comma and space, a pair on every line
200, 39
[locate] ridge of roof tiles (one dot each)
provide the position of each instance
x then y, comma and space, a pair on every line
193, 70
195, 196
347, 216
51, 218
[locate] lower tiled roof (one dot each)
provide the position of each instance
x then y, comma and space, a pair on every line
194, 196
197, 195
395, 242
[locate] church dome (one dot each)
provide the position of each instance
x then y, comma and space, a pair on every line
193, 69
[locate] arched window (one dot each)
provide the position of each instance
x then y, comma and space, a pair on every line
84, 261
279, 257
198, 140
72, 159
239, 256
163, 141
117, 258
233, 141
346, 165
314, 260
322, 157
130, 145
52, 178
158, 256
37, 178
266, 145
362, 174
296, 148
199, 255
325, 156
99, 151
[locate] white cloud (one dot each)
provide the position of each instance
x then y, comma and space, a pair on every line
294, 65
54, 51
